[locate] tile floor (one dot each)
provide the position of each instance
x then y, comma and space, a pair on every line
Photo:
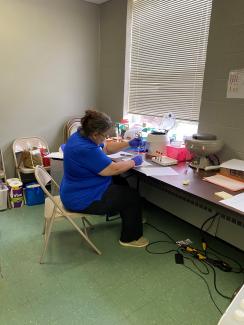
122, 286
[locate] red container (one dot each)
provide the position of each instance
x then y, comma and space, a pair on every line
45, 160
179, 153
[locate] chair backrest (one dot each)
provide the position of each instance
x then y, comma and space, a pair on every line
43, 178
70, 127
27, 143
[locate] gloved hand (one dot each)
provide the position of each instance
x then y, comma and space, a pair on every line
136, 142
138, 160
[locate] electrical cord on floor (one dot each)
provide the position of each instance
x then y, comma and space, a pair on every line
206, 247
241, 269
196, 266
161, 231
205, 281
200, 255
159, 253
202, 230
215, 286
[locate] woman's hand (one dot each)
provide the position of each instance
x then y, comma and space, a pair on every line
138, 160
116, 168
136, 142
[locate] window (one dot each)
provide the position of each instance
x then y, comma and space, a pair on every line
165, 57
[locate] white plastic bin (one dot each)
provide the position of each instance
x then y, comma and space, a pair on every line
3, 198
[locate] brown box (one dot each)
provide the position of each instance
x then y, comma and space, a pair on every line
233, 173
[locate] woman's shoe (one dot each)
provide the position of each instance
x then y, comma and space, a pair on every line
141, 242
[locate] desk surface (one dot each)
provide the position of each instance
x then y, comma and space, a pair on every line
197, 186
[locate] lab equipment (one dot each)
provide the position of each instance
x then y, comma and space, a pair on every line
157, 140
204, 148
164, 160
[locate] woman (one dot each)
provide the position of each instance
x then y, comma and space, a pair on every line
87, 184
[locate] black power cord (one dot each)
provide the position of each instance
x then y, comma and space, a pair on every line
224, 266
200, 255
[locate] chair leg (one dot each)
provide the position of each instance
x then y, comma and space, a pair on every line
44, 226
84, 236
84, 226
88, 222
46, 239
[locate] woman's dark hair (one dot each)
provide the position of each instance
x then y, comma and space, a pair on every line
94, 121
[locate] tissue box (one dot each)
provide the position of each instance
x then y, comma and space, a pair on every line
179, 153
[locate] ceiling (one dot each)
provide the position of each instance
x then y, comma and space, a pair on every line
97, 1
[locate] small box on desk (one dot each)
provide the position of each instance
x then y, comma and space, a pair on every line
178, 153
232, 173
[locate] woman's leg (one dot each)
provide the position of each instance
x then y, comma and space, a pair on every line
126, 201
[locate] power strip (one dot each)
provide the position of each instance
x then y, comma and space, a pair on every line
164, 161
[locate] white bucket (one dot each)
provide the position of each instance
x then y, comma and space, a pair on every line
3, 198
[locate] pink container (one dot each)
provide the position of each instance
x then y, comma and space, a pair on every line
179, 153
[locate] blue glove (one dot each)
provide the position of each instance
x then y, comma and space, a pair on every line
61, 148
136, 142
138, 160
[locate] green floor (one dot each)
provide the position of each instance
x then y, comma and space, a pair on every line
123, 286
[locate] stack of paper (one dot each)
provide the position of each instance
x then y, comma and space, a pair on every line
55, 155
236, 202
120, 154
225, 182
158, 171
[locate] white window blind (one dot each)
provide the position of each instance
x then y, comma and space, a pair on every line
166, 52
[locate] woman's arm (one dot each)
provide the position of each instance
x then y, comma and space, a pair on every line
113, 147
116, 168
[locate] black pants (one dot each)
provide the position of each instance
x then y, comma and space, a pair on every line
120, 198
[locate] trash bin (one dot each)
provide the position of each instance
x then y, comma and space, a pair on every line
3, 197
34, 194
15, 192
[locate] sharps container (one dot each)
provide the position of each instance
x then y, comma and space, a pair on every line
3, 197
15, 192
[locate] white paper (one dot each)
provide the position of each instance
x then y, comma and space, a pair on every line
143, 164
225, 182
236, 202
158, 171
235, 164
235, 87
120, 154
55, 155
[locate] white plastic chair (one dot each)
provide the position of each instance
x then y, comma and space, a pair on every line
54, 210
26, 143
